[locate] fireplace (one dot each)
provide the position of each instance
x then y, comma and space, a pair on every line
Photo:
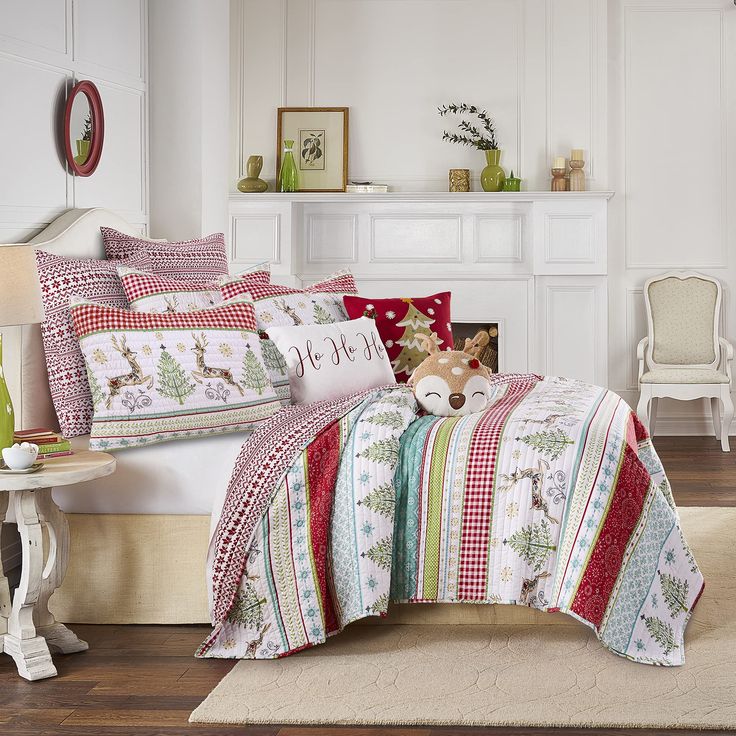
533, 264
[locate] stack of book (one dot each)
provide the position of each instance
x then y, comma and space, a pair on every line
50, 444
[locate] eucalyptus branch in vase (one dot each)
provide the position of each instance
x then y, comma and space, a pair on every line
482, 137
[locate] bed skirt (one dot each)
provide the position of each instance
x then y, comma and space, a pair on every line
150, 569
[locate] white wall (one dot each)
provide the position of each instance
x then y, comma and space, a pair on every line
189, 65
645, 87
45, 47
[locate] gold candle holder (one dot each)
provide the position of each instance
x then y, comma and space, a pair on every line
577, 176
459, 180
558, 180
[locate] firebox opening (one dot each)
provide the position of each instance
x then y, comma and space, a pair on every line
489, 355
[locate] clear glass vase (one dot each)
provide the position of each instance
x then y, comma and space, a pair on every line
7, 417
288, 176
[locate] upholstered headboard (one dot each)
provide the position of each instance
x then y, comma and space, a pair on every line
75, 234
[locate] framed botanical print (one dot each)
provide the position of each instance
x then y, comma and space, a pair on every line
320, 149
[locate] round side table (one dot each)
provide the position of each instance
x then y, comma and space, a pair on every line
32, 632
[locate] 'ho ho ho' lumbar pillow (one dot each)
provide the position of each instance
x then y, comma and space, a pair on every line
158, 377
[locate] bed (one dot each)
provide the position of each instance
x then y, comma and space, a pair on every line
170, 508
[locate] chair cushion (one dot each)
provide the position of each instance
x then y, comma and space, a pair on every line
684, 375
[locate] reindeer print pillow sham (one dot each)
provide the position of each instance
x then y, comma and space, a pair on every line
282, 306
60, 278
158, 377
148, 292
335, 360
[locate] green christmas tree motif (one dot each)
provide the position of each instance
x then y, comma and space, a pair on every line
272, 357
391, 419
380, 605
382, 500
399, 400
551, 443
321, 315
533, 544
247, 608
661, 632
98, 395
412, 352
254, 376
380, 553
173, 380
688, 554
674, 592
382, 451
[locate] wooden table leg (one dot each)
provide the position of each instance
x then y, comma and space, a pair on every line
22, 642
58, 637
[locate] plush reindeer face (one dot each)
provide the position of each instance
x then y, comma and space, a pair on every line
454, 382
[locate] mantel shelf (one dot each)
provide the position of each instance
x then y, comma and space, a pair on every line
443, 197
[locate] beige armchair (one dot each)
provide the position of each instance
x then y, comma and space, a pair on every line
684, 357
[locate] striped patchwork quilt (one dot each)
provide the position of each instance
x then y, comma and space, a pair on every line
552, 498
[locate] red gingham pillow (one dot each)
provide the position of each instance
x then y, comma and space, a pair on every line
399, 320
339, 283
60, 278
194, 261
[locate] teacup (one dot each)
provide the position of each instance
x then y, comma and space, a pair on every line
20, 457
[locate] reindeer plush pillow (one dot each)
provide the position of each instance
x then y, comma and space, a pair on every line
452, 383
158, 377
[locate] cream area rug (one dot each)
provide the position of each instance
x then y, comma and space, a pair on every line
501, 674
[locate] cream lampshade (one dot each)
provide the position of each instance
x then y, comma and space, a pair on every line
20, 304
20, 294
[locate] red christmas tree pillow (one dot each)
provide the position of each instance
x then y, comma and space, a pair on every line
400, 320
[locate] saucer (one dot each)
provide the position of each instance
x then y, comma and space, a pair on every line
33, 469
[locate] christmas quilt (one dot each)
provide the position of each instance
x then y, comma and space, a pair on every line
552, 498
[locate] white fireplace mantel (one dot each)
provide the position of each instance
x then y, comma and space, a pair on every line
535, 262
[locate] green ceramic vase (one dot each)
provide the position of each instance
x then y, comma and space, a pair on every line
493, 176
288, 176
7, 417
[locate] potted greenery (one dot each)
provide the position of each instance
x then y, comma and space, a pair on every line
493, 176
84, 142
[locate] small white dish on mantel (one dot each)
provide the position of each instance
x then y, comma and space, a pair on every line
24, 471
20, 456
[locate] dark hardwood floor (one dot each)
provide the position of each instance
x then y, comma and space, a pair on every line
143, 680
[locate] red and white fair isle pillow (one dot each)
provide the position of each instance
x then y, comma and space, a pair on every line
60, 279
201, 261
149, 292
159, 377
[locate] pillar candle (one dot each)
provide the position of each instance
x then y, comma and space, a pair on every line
577, 154
559, 162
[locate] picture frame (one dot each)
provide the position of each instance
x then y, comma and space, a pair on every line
320, 136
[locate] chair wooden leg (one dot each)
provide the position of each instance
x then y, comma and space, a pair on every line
727, 417
715, 410
654, 402
642, 408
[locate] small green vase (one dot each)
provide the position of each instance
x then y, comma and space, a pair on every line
288, 176
7, 417
493, 176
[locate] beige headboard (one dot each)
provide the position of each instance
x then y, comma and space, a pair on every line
75, 234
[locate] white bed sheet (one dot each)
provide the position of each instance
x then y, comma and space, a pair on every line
180, 477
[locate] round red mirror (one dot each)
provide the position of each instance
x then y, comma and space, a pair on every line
84, 128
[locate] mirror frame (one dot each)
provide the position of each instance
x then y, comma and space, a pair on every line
90, 91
